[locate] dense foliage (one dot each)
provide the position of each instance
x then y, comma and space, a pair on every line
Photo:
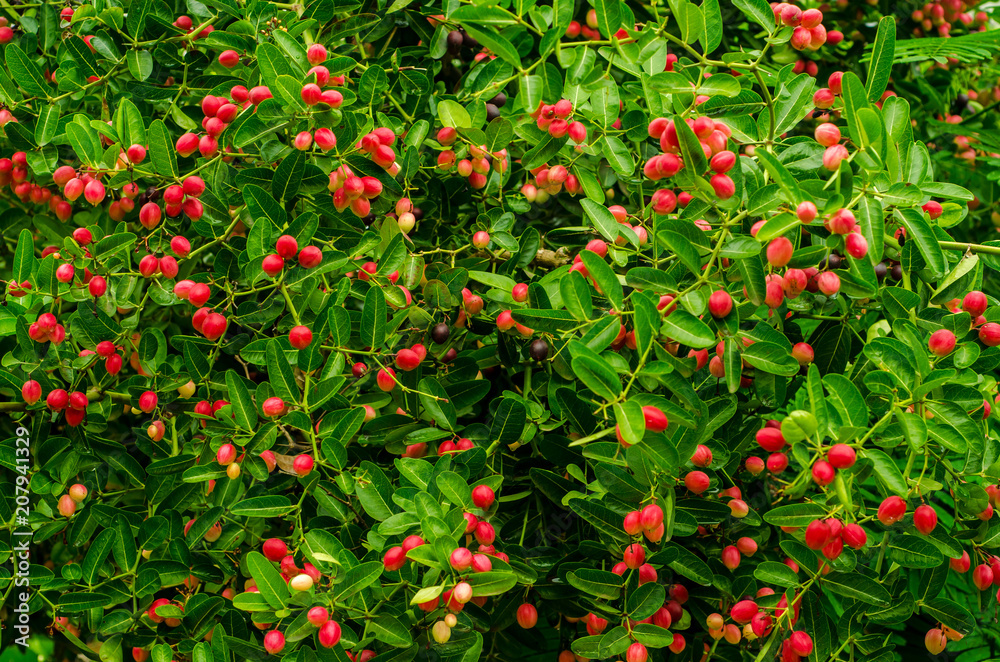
499, 330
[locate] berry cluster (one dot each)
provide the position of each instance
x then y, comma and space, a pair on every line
476, 162
713, 138
943, 16
809, 32
47, 329
286, 248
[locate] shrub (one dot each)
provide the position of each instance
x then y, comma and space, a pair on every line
399, 331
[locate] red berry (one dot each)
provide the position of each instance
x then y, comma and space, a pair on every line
975, 303
272, 265
941, 342
634, 556
31, 391
527, 616
823, 473
841, 456
286, 246
303, 463
273, 406
854, 535
891, 510
656, 420
817, 534
461, 559
483, 497
274, 549
720, 304
925, 519
300, 337
394, 559
697, 481
801, 643
989, 334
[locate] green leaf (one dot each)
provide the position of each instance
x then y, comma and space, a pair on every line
631, 421
273, 505
498, 132
685, 328
783, 178
609, 16
288, 175
778, 574
832, 349
872, 224
272, 63
24, 257
508, 423
652, 636
74, 603
691, 149
242, 404
618, 155
682, 247
484, 15
601, 219
261, 205
794, 514
140, 64
82, 56
280, 374
161, 150
886, 471
758, 11
453, 114
951, 614
373, 319
435, 400
712, 37
857, 587
550, 321
602, 518
913, 552
269, 581
919, 231
493, 582
596, 583
547, 148
595, 373
745, 103
690, 565
374, 491
692, 22
25, 72
99, 550
792, 102
855, 99
770, 357
389, 630
152, 349
605, 277
454, 488
752, 272
45, 127
576, 295
138, 12
880, 66
496, 43
359, 578
645, 600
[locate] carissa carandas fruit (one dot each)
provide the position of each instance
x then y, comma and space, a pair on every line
512, 330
